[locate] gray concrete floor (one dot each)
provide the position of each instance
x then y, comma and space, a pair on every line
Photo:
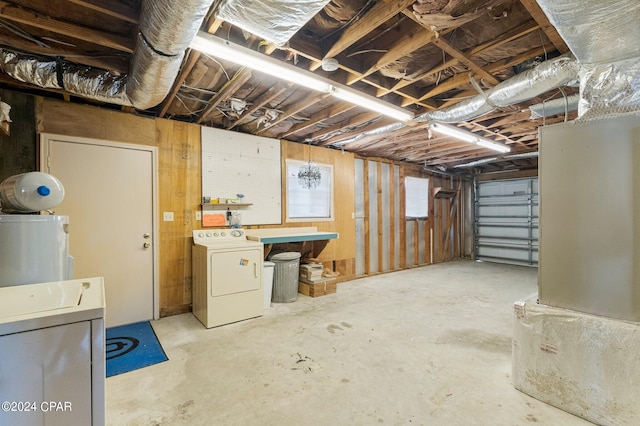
425, 346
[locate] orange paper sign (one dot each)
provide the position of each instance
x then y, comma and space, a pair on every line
213, 219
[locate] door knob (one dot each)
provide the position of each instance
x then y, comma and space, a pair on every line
146, 235
146, 244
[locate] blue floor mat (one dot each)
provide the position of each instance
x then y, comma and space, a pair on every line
132, 346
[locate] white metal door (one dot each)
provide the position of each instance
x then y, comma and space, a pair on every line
109, 198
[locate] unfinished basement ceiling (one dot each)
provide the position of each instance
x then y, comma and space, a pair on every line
425, 56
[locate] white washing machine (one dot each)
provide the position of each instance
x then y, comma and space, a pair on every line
227, 276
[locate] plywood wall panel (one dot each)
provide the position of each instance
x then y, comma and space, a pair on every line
341, 250
180, 188
179, 183
65, 118
178, 180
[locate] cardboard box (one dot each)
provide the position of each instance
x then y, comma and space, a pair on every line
317, 289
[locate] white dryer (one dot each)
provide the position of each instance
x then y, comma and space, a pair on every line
227, 276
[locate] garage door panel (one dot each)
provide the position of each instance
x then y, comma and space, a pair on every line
506, 221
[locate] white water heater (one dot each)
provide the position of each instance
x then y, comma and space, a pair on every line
33, 248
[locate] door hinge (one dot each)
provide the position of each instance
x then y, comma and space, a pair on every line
49, 163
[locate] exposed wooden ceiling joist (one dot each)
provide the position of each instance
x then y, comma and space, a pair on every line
35, 19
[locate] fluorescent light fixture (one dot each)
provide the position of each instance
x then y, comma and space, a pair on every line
466, 136
371, 103
223, 49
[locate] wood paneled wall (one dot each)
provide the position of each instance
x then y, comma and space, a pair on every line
179, 187
341, 251
179, 180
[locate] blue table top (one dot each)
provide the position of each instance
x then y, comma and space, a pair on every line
288, 237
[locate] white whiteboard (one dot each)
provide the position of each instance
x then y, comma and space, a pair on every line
237, 163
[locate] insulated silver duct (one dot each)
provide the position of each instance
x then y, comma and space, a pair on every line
501, 158
596, 31
374, 132
548, 75
166, 30
554, 106
605, 38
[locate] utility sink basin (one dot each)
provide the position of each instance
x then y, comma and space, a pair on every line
32, 298
49, 304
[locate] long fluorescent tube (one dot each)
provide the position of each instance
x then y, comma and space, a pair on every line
223, 49
371, 103
240, 55
466, 136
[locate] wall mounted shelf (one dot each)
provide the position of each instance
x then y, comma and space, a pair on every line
209, 206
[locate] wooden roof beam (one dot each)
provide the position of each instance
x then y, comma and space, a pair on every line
267, 96
350, 122
320, 116
378, 15
409, 42
294, 109
239, 78
536, 13
35, 19
187, 65
459, 79
465, 60
503, 39
112, 8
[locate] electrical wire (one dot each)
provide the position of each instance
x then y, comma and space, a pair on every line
217, 62
21, 33
355, 17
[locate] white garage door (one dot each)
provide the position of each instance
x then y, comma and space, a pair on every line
506, 221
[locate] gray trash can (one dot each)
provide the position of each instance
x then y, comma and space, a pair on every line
285, 277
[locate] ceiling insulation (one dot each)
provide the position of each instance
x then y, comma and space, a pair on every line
455, 60
274, 20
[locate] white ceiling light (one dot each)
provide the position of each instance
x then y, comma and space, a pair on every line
223, 49
371, 103
466, 136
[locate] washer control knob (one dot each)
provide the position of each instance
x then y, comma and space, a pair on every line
208, 234
201, 234
223, 234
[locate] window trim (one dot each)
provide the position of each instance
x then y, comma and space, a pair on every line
296, 164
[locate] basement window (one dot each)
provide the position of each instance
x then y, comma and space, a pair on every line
416, 192
304, 204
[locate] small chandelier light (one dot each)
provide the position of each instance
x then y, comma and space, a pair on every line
309, 176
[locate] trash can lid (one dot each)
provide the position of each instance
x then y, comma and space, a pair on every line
287, 255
